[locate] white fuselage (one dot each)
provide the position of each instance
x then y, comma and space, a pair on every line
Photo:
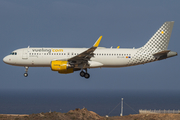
42, 57
68, 60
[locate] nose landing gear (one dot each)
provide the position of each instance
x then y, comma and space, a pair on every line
84, 74
26, 71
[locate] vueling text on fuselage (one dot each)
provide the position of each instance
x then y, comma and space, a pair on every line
47, 50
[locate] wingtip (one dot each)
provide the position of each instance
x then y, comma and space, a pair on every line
97, 42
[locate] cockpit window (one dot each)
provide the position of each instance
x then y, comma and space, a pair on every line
13, 53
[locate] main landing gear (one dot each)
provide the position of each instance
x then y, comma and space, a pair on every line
84, 74
26, 71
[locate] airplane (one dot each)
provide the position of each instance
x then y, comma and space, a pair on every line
68, 60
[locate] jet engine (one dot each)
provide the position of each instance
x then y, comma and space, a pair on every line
62, 67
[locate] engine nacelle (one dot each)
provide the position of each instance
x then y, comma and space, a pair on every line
62, 67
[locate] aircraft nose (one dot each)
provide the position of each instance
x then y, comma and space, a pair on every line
7, 60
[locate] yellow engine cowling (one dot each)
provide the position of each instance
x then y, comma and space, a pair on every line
61, 66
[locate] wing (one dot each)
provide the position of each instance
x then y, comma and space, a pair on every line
86, 55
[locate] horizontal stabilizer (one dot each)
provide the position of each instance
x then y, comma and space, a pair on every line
165, 54
161, 53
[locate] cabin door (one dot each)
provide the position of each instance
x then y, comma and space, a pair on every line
25, 54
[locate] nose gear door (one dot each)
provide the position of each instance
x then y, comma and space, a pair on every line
25, 54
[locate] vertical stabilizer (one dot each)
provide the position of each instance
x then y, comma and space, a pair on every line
158, 44
160, 40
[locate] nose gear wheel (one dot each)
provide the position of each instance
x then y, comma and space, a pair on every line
26, 71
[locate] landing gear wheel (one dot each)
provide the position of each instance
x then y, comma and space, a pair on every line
86, 75
25, 74
82, 73
26, 71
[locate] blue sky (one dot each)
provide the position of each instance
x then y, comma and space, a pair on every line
69, 23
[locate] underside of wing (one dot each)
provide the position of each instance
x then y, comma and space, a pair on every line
85, 56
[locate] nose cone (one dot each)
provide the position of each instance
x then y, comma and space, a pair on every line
5, 60
8, 60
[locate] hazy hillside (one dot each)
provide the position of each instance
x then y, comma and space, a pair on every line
84, 114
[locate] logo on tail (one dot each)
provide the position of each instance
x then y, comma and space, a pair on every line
160, 40
156, 47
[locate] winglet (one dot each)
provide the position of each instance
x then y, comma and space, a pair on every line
96, 44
